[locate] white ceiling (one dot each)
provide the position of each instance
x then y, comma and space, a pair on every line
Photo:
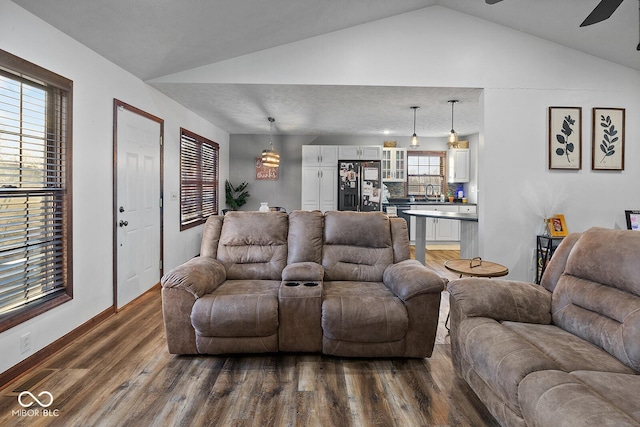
153, 38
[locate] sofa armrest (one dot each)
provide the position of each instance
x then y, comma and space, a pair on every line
410, 278
501, 299
303, 271
198, 276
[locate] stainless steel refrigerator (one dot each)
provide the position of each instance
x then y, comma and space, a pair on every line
359, 185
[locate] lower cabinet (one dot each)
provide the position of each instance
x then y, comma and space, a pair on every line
319, 188
440, 230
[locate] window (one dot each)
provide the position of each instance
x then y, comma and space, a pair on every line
425, 168
198, 179
35, 190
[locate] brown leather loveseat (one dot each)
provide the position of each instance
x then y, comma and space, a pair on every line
340, 283
563, 353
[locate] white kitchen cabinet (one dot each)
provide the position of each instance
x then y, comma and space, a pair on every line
394, 164
320, 188
468, 208
320, 155
355, 152
458, 165
437, 229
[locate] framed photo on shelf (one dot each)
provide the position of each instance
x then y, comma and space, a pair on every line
607, 147
557, 226
633, 220
565, 138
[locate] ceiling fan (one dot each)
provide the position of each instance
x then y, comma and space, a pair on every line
602, 11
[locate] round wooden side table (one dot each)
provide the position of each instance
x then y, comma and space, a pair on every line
474, 267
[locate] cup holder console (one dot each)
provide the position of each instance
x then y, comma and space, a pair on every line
309, 284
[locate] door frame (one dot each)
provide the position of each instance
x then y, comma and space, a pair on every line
117, 104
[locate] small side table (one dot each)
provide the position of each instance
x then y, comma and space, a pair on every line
546, 246
475, 267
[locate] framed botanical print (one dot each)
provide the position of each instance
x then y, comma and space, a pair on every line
607, 148
565, 138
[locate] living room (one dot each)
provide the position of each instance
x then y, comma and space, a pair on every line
520, 75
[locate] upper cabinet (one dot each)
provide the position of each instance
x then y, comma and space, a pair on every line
394, 164
365, 152
458, 165
320, 155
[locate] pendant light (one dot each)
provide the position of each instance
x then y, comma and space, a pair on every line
453, 136
270, 156
414, 138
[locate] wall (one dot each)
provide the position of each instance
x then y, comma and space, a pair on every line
286, 190
96, 83
521, 76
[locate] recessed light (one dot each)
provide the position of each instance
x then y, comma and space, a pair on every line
386, 132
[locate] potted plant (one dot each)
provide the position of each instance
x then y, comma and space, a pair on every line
236, 196
450, 196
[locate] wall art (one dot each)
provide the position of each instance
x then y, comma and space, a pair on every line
565, 138
264, 172
607, 148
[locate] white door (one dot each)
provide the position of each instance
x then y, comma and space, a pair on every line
138, 212
310, 189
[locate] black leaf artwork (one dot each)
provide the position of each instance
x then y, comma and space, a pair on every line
609, 138
563, 138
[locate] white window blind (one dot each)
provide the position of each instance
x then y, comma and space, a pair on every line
198, 179
34, 198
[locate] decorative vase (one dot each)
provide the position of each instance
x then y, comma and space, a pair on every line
545, 228
264, 207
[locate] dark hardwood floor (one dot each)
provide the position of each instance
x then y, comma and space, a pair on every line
120, 374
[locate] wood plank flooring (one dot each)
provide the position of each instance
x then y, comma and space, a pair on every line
120, 374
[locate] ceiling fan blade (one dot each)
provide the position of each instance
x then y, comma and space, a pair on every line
492, 1
603, 11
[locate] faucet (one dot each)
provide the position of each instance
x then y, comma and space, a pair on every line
428, 193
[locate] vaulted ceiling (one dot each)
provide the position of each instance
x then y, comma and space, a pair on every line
153, 38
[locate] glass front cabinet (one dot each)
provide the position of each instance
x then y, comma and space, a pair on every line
394, 164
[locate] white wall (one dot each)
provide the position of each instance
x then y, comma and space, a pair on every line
96, 83
521, 75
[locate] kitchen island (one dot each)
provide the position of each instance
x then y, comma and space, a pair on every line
468, 231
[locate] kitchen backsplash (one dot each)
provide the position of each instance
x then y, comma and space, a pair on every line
396, 189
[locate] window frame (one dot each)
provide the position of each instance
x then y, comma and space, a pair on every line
14, 67
443, 168
214, 183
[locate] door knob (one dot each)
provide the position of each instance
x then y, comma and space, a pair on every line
124, 223
121, 209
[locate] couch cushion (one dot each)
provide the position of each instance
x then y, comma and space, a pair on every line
357, 246
598, 296
555, 398
362, 312
238, 308
253, 245
502, 354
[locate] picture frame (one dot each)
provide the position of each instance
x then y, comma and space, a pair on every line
608, 138
557, 226
633, 219
265, 173
565, 138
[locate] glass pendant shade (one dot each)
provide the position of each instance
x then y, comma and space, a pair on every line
453, 136
270, 157
414, 138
